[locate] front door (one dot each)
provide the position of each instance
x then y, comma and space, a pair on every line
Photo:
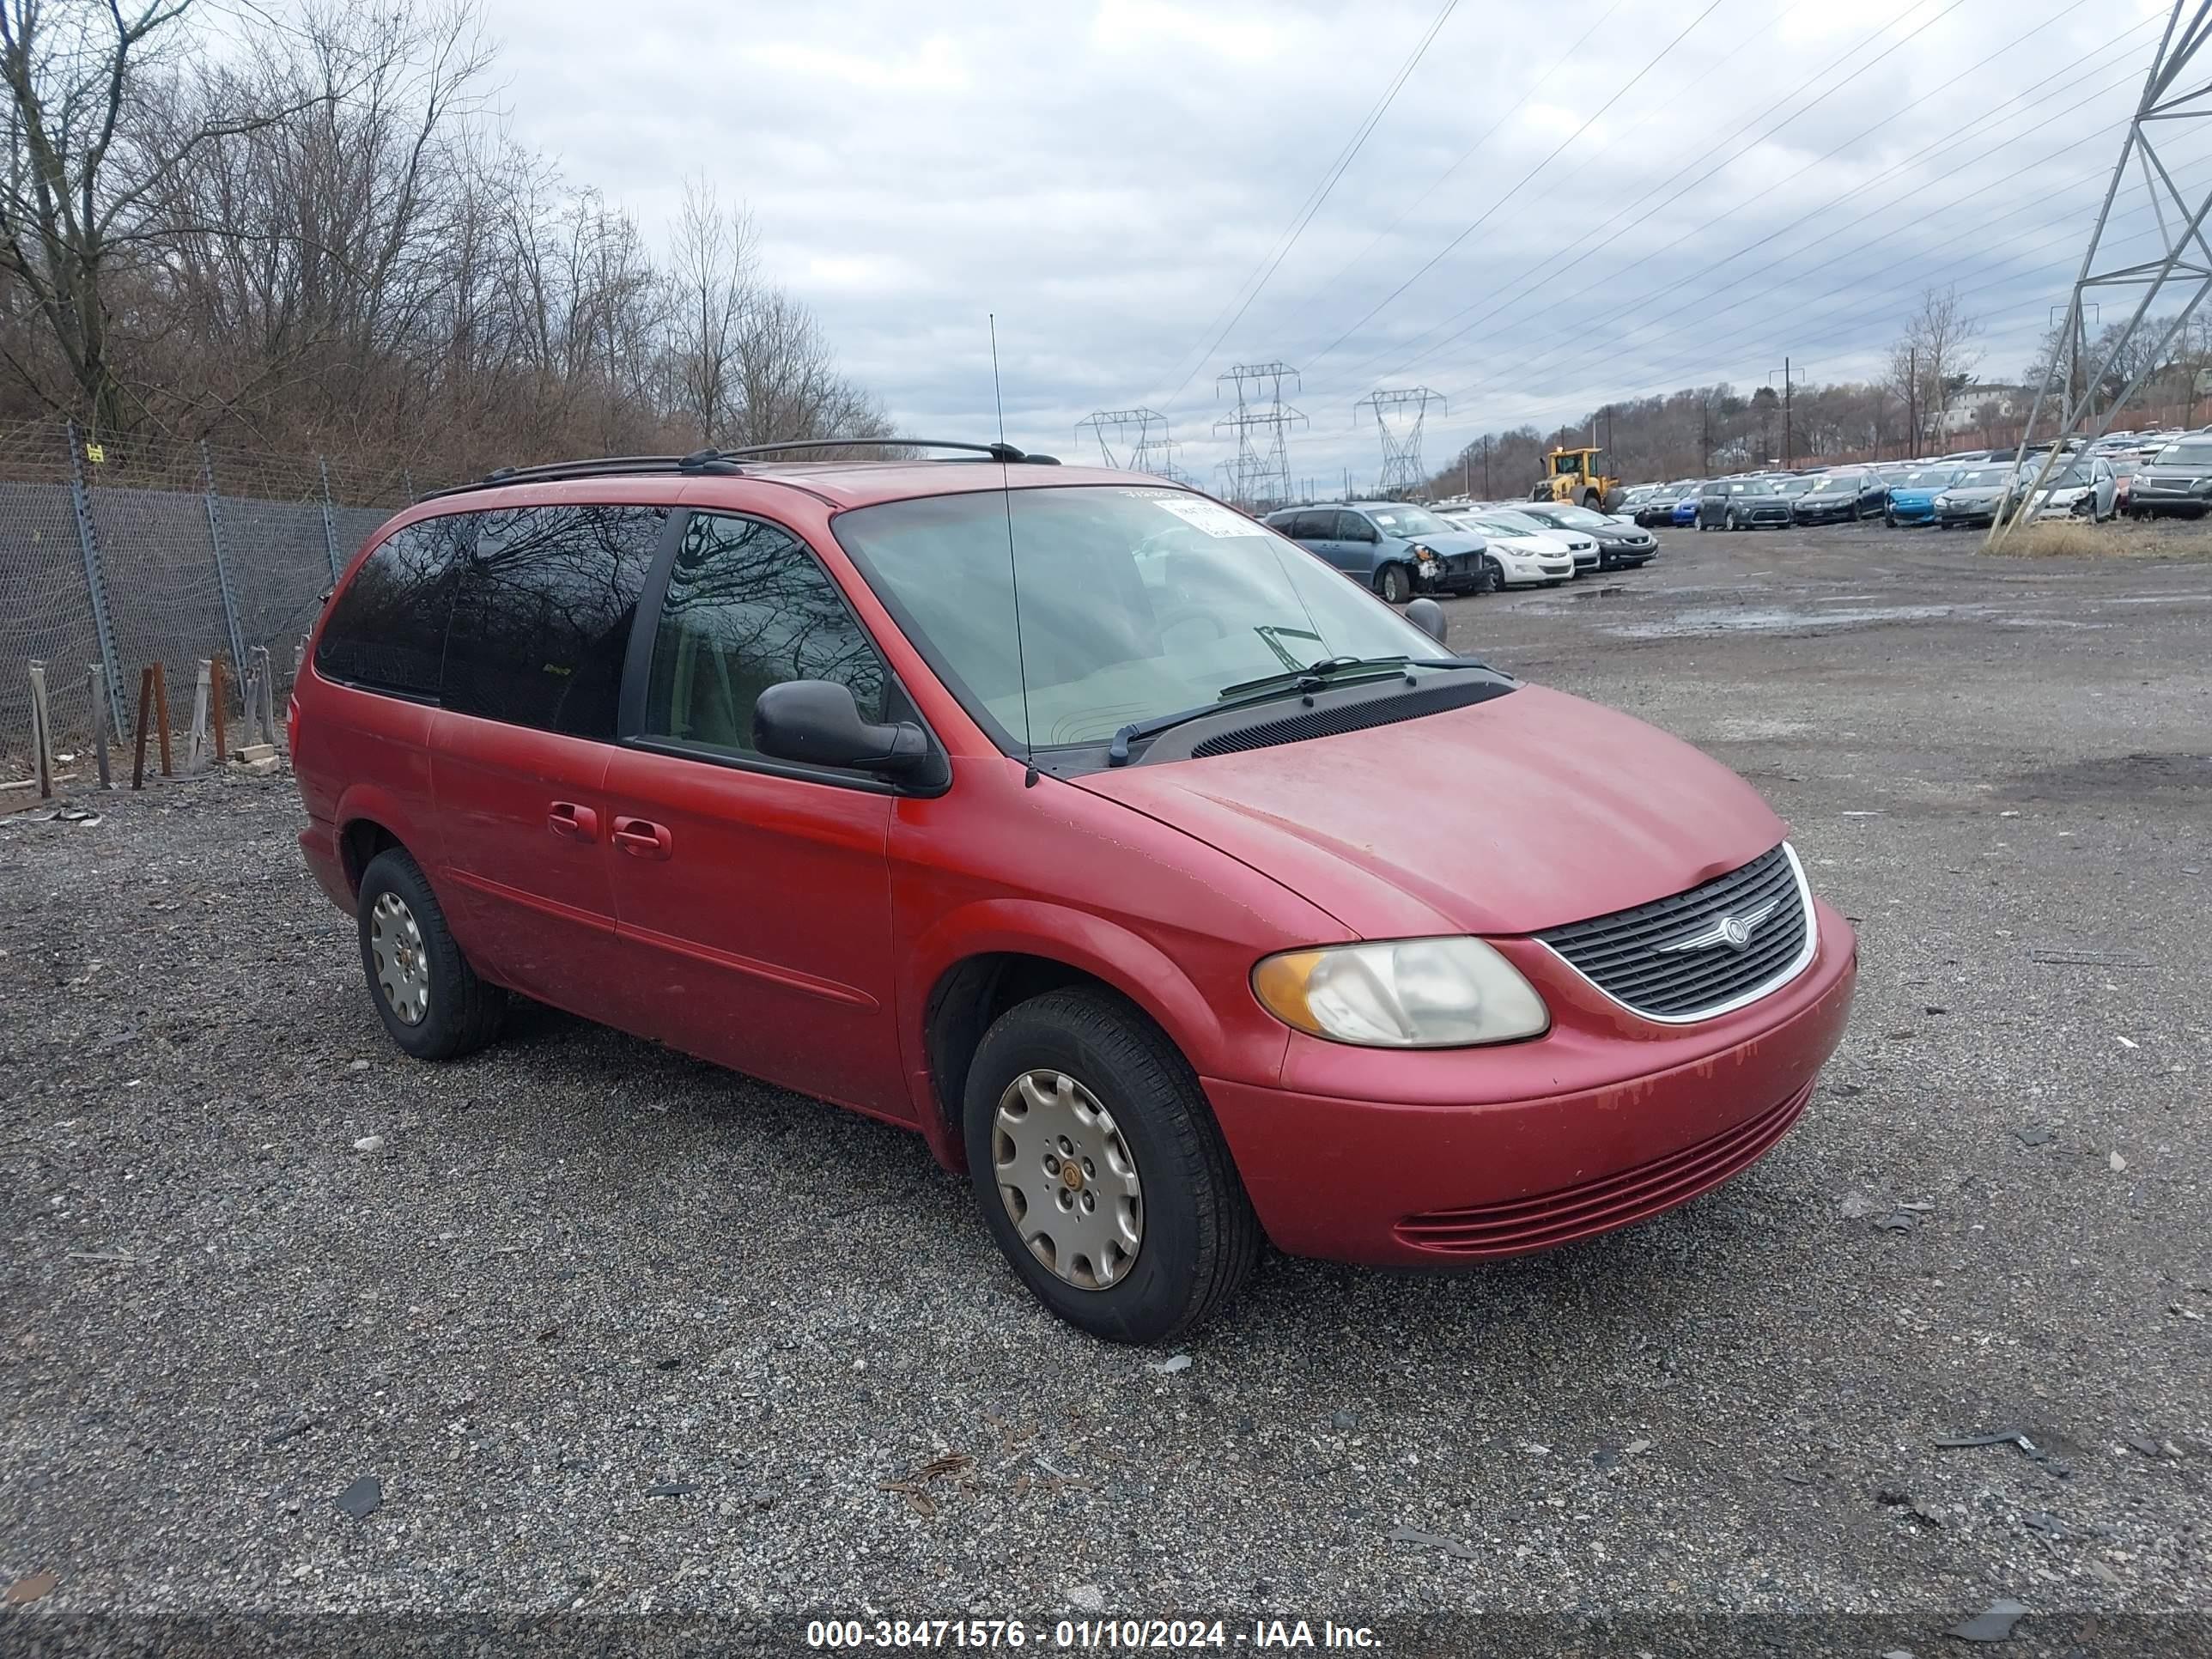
519, 749
754, 895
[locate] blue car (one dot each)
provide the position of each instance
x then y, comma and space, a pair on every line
1912, 494
1686, 509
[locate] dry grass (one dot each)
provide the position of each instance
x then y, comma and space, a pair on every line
2121, 539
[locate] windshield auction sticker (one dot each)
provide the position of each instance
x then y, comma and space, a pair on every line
1212, 517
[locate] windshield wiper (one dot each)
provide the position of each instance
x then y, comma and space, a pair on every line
1316, 675
1311, 678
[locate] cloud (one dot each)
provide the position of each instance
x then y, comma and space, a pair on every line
1110, 178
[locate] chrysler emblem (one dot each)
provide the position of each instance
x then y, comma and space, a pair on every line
1734, 931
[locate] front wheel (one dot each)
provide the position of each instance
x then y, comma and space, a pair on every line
1100, 1169
1493, 577
432, 1003
1733, 522
1889, 520
1397, 586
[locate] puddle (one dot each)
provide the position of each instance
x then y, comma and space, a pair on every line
1778, 619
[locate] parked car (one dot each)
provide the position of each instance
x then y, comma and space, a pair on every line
1912, 497
2177, 481
1399, 550
891, 783
1526, 517
1684, 513
1751, 503
1520, 555
1976, 495
1844, 495
1656, 511
1621, 544
2085, 488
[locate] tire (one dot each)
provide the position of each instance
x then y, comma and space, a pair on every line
1889, 520
1732, 522
1593, 500
1397, 587
400, 917
1198, 1238
1492, 580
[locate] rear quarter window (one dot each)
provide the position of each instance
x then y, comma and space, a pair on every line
542, 615
387, 629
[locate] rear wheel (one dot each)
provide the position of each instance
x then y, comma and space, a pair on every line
432, 1005
1397, 586
1100, 1169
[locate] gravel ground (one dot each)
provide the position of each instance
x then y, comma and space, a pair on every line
613, 1330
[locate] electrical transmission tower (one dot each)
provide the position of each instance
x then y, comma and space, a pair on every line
1259, 476
1141, 433
1400, 415
2177, 94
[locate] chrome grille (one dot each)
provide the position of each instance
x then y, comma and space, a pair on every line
1626, 954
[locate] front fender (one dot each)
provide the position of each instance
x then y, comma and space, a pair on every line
1092, 944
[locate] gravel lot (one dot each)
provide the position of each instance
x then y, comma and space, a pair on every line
614, 1330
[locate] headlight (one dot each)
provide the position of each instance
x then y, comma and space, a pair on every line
1421, 552
1402, 993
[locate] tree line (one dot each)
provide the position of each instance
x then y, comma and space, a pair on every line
1933, 398
306, 230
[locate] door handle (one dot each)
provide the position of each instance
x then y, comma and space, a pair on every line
571, 822
642, 838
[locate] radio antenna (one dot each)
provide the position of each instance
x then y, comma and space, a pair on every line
1013, 564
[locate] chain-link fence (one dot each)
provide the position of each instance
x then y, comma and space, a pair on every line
123, 553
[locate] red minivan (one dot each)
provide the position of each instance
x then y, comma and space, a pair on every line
1182, 891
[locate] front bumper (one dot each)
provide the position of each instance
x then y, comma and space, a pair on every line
1843, 515
1460, 574
1451, 1155
1527, 571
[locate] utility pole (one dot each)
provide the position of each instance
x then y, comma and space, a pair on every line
1789, 439
1912, 400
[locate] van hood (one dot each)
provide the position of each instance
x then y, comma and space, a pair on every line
1518, 814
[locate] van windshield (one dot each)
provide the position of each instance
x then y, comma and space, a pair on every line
1135, 602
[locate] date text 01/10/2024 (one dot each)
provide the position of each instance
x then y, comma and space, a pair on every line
1087, 1633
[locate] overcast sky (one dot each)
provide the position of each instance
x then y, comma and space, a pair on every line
1111, 178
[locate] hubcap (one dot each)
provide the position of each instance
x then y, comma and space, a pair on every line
1067, 1179
403, 967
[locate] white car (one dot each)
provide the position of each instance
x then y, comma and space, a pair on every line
1522, 556
2086, 490
1581, 547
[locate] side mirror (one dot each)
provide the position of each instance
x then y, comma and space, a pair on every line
1429, 616
817, 722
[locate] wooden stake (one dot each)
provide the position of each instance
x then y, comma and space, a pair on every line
161, 714
97, 678
196, 741
42, 733
268, 695
145, 721
218, 695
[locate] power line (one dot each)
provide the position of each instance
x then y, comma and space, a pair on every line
1467, 153
1566, 354
1387, 299
1402, 473
1313, 203
1652, 211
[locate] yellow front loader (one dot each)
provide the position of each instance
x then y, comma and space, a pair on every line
1571, 477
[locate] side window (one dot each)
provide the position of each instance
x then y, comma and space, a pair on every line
747, 608
1305, 526
542, 618
388, 628
1350, 527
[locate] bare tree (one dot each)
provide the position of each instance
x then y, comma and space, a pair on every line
711, 297
1935, 360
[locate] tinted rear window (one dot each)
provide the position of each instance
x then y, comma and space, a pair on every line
387, 630
541, 620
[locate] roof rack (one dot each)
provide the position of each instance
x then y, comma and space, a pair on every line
1001, 452
717, 463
